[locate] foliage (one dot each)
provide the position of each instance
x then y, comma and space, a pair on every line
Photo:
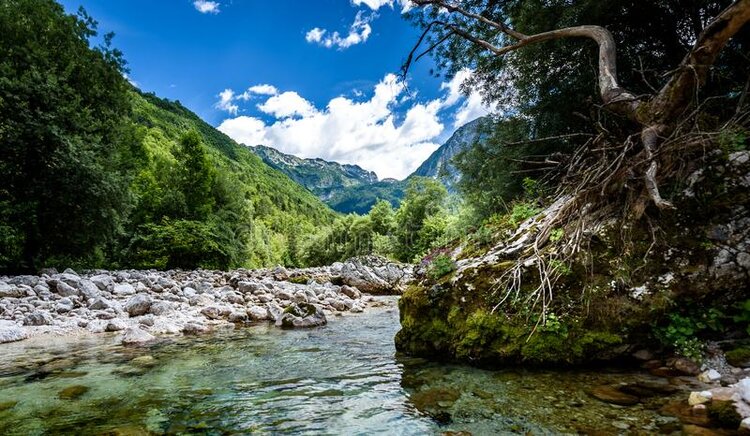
683, 331
66, 135
407, 233
97, 174
441, 266
742, 316
521, 212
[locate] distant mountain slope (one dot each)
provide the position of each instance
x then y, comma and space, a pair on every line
360, 199
439, 165
322, 177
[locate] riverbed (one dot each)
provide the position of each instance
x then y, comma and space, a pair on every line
343, 378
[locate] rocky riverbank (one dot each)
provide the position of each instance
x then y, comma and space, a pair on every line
146, 304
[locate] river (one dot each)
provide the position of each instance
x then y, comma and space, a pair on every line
344, 378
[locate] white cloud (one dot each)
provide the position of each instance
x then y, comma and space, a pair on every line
367, 133
207, 7
287, 105
359, 32
262, 89
472, 107
377, 4
315, 35
225, 103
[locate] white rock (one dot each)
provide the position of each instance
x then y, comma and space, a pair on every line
709, 376
124, 289
699, 398
66, 290
10, 332
743, 388
138, 305
135, 336
257, 313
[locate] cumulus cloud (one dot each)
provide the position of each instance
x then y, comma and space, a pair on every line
359, 31
472, 106
287, 105
226, 102
377, 4
369, 133
207, 7
257, 90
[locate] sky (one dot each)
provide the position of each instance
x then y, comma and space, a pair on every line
310, 78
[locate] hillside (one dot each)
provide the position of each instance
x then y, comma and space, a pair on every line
322, 177
278, 208
439, 165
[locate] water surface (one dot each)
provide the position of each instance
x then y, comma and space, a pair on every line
344, 378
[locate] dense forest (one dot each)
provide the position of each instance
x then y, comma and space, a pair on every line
96, 173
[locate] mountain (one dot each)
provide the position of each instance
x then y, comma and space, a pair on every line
439, 165
273, 209
322, 177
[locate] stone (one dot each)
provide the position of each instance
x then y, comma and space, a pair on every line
88, 289
100, 303
160, 308
699, 398
211, 312
5, 405
65, 305
72, 392
69, 279
103, 281
10, 291
709, 376
258, 313
743, 388
138, 305
612, 395
146, 361
351, 292
115, 325
643, 355
238, 317
745, 426
37, 318
123, 289
284, 295
248, 287
686, 366
66, 290
193, 328
11, 332
136, 336
301, 315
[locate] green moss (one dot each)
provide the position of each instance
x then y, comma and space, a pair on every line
739, 356
724, 414
300, 280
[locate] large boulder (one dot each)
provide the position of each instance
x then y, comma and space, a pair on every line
375, 275
138, 305
37, 318
103, 281
66, 290
124, 289
11, 332
301, 315
258, 313
136, 336
11, 291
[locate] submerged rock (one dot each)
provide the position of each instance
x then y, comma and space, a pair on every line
610, 394
72, 392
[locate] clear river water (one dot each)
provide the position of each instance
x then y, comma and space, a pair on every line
344, 378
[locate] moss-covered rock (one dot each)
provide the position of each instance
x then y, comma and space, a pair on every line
615, 296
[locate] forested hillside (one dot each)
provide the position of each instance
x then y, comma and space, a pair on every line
97, 174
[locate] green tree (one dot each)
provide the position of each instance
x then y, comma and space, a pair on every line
490, 169
382, 217
424, 198
196, 175
65, 136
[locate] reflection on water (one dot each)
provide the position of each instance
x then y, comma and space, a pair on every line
340, 379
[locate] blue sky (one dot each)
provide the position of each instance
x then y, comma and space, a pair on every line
311, 78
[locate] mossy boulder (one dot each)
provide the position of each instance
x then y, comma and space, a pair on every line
739, 357
608, 300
